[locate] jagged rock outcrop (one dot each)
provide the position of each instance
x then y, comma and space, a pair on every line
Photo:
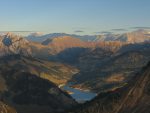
6, 109
11, 44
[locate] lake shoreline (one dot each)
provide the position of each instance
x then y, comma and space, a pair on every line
80, 95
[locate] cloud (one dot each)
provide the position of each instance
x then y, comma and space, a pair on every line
23, 31
119, 30
104, 32
78, 31
140, 27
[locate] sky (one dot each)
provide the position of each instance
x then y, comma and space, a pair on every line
74, 16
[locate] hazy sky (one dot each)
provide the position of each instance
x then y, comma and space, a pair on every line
73, 16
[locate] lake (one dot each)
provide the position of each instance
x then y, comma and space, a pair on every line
79, 95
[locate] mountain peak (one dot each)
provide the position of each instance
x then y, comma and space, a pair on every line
64, 42
9, 33
65, 38
61, 39
36, 34
11, 38
12, 44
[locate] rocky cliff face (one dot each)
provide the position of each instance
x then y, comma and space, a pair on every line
11, 44
137, 99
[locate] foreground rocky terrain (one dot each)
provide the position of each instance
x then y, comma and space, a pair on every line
26, 84
6, 109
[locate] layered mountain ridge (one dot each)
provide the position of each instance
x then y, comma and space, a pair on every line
130, 37
88, 57
137, 36
36, 37
61, 43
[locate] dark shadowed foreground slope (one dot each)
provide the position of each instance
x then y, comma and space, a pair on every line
27, 91
132, 98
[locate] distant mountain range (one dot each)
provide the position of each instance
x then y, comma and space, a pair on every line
13, 44
36, 37
131, 37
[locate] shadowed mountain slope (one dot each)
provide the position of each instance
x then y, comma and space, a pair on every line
27, 85
134, 97
102, 70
